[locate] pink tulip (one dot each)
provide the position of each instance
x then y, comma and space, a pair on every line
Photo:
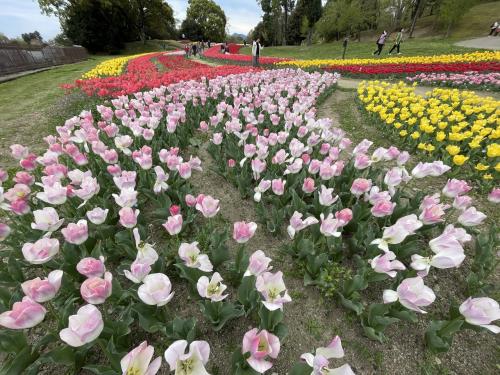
471, 217
383, 208
387, 263
46, 220
208, 206
126, 198
192, 363
343, 216
173, 225
258, 264
76, 233
412, 294
297, 224
433, 214
320, 363
190, 200
481, 312
454, 188
55, 194
41, 251
18, 151
462, 202
91, 267
494, 195
243, 232
43, 290
308, 185
217, 138
4, 231
88, 188
397, 233
429, 201
156, 290
260, 344
360, 186
329, 226
273, 290
128, 217
97, 216
436, 168
278, 186
139, 269
126, 180
184, 170
174, 210
138, 361
326, 197
24, 178
95, 290
212, 289
231, 163
19, 191
24, 314
191, 255
84, 327
362, 161
362, 147
258, 166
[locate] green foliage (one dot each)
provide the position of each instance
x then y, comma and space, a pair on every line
340, 17
205, 20
105, 25
451, 11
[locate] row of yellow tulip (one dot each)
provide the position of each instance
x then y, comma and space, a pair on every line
474, 57
111, 67
457, 126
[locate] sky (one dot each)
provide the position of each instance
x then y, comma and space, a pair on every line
21, 16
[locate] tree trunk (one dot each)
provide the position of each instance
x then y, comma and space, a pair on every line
285, 21
309, 36
415, 17
448, 30
142, 22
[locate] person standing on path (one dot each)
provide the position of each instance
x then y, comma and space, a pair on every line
380, 43
256, 47
397, 42
493, 28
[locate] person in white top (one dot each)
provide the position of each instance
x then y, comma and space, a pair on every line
256, 47
493, 27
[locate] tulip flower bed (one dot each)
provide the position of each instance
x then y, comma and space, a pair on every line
142, 73
455, 126
213, 53
87, 278
401, 66
466, 80
112, 67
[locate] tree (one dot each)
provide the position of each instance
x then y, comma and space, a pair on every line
29, 37
100, 25
62, 40
303, 18
204, 20
418, 6
451, 11
105, 25
159, 21
340, 17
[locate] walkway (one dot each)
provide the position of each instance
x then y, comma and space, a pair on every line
352, 84
486, 42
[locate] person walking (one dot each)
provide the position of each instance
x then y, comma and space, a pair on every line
256, 47
397, 42
493, 28
380, 43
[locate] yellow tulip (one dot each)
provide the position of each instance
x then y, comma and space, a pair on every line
460, 159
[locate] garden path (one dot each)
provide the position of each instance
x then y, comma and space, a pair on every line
485, 42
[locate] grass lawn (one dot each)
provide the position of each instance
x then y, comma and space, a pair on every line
32, 106
355, 49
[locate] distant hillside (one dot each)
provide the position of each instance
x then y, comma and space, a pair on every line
474, 23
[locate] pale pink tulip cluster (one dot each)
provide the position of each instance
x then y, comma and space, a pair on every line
320, 361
